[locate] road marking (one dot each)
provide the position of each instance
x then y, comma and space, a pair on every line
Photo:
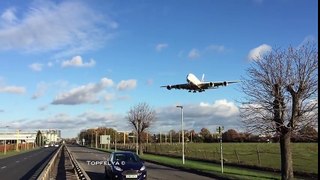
17, 161
3, 167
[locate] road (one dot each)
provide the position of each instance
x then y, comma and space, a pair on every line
26, 165
92, 161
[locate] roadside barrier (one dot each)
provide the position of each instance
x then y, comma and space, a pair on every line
48, 170
80, 172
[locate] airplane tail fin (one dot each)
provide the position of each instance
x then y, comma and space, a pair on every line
202, 79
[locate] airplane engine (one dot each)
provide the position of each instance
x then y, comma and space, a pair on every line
211, 84
225, 83
169, 87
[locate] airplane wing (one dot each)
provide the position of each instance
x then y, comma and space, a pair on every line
178, 86
209, 85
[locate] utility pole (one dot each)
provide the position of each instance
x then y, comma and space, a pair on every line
220, 129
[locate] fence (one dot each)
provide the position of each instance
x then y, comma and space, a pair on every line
13, 147
267, 155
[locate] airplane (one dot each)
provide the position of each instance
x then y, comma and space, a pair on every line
195, 85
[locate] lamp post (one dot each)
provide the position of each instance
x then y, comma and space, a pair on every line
182, 132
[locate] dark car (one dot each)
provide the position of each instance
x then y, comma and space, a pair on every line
125, 165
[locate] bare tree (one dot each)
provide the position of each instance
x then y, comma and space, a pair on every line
282, 96
141, 117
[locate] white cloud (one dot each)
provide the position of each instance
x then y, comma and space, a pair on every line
307, 39
43, 108
215, 48
83, 94
160, 47
70, 125
49, 64
12, 89
197, 116
9, 88
127, 84
193, 54
77, 62
258, 52
8, 16
41, 89
109, 97
36, 66
64, 28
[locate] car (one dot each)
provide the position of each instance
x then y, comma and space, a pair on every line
125, 165
56, 145
46, 145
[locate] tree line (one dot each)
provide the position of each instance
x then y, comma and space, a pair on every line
90, 136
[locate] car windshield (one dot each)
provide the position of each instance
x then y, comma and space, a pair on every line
127, 157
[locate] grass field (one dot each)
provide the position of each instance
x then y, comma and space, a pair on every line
215, 169
305, 155
13, 153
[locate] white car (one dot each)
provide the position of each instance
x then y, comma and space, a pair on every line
46, 145
56, 145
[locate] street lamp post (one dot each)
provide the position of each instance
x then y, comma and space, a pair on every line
182, 132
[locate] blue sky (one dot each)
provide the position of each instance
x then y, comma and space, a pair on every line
72, 65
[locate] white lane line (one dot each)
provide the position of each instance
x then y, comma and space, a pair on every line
3, 167
17, 161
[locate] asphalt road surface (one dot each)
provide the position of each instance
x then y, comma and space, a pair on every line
92, 161
25, 165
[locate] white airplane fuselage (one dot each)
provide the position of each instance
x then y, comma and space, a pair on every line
193, 81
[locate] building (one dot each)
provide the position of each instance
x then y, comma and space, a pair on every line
38, 137
51, 136
12, 137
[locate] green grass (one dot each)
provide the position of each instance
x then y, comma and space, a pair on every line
229, 172
215, 169
305, 155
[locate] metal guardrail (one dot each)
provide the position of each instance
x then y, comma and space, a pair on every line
48, 170
80, 172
